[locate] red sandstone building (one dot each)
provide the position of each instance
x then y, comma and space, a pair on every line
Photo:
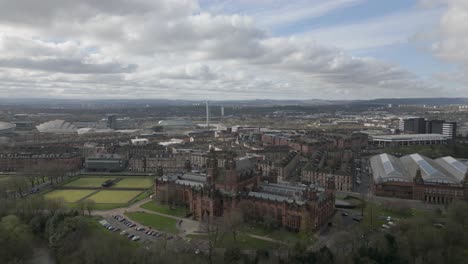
417, 177
220, 190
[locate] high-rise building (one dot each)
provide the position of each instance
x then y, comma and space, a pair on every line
434, 126
112, 121
207, 115
415, 125
421, 126
449, 129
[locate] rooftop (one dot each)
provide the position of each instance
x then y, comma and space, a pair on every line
446, 170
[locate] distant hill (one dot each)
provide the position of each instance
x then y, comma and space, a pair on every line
417, 101
246, 103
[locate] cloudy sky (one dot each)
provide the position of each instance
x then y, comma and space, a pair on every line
233, 49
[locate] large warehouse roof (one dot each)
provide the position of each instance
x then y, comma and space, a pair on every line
4, 126
57, 126
408, 137
387, 168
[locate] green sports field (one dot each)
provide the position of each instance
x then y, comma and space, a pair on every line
69, 196
134, 183
88, 182
116, 197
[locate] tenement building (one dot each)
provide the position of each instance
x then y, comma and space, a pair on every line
16, 159
237, 185
326, 164
417, 177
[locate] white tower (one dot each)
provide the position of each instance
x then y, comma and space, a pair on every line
207, 115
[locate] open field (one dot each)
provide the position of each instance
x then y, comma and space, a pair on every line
134, 183
164, 209
70, 196
157, 222
88, 182
116, 197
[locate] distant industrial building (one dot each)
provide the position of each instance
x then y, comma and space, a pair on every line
112, 121
414, 125
408, 140
105, 163
417, 177
6, 128
139, 141
421, 126
23, 125
57, 126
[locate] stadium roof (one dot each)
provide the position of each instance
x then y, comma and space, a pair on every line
408, 137
6, 126
57, 126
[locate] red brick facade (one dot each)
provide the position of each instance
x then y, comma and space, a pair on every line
225, 190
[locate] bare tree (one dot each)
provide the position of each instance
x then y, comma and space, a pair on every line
81, 206
31, 175
54, 205
89, 205
247, 211
233, 222
213, 229
19, 184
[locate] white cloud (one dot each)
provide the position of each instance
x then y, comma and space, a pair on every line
451, 43
387, 30
172, 49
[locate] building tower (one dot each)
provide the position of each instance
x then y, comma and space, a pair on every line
465, 184
188, 166
112, 121
231, 179
159, 171
222, 113
211, 167
207, 114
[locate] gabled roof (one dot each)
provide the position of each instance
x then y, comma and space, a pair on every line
386, 168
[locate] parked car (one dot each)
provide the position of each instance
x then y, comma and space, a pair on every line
140, 228
357, 219
135, 238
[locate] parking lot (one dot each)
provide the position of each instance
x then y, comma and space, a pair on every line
142, 234
362, 176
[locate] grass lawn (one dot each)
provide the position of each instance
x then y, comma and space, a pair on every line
278, 234
375, 214
4, 178
157, 222
134, 183
70, 196
101, 206
244, 241
164, 209
90, 182
114, 197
